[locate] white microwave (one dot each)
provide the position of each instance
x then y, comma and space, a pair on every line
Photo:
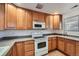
38, 25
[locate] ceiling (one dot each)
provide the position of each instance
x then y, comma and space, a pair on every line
51, 8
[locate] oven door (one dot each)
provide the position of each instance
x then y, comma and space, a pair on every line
41, 44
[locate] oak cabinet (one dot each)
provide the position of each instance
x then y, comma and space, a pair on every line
24, 19
35, 16
49, 44
61, 42
20, 18
47, 21
10, 16
28, 20
54, 43
14, 51
24, 48
29, 53
77, 48
70, 47
41, 17
38, 16
55, 21
29, 48
2, 15
19, 48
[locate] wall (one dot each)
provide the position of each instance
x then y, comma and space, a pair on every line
71, 13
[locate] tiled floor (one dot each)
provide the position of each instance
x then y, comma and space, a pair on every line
55, 53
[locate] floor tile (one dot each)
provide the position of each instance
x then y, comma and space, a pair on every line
55, 53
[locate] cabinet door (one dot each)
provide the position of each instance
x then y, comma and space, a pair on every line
47, 21
51, 22
10, 16
49, 44
2, 7
14, 52
35, 16
28, 20
77, 48
20, 18
70, 47
29, 53
61, 44
56, 22
41, 17
20, 48
54, 43
29, 47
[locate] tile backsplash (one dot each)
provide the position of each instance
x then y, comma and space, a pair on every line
22, 32
31, 32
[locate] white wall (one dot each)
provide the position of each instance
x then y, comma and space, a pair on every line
71, 13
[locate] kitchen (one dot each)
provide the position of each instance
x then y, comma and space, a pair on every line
39, 29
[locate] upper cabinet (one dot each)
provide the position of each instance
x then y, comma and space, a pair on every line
56, 22
2, 14
47, 21
28, 19
35, 16
53, 21
24, 19
38, 16
41, 17
10, 16
20, 18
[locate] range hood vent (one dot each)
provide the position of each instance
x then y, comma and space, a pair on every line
74, 6
39, 6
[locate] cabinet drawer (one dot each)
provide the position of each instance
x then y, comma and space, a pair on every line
29, 42
29, 47
29, 53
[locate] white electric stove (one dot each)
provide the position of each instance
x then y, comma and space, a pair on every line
41, 44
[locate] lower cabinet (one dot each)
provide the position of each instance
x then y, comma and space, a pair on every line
77, 48
54, 44
19, 48
51, 43
14, 52
61, 43
70, 47
29, 48
23, 48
